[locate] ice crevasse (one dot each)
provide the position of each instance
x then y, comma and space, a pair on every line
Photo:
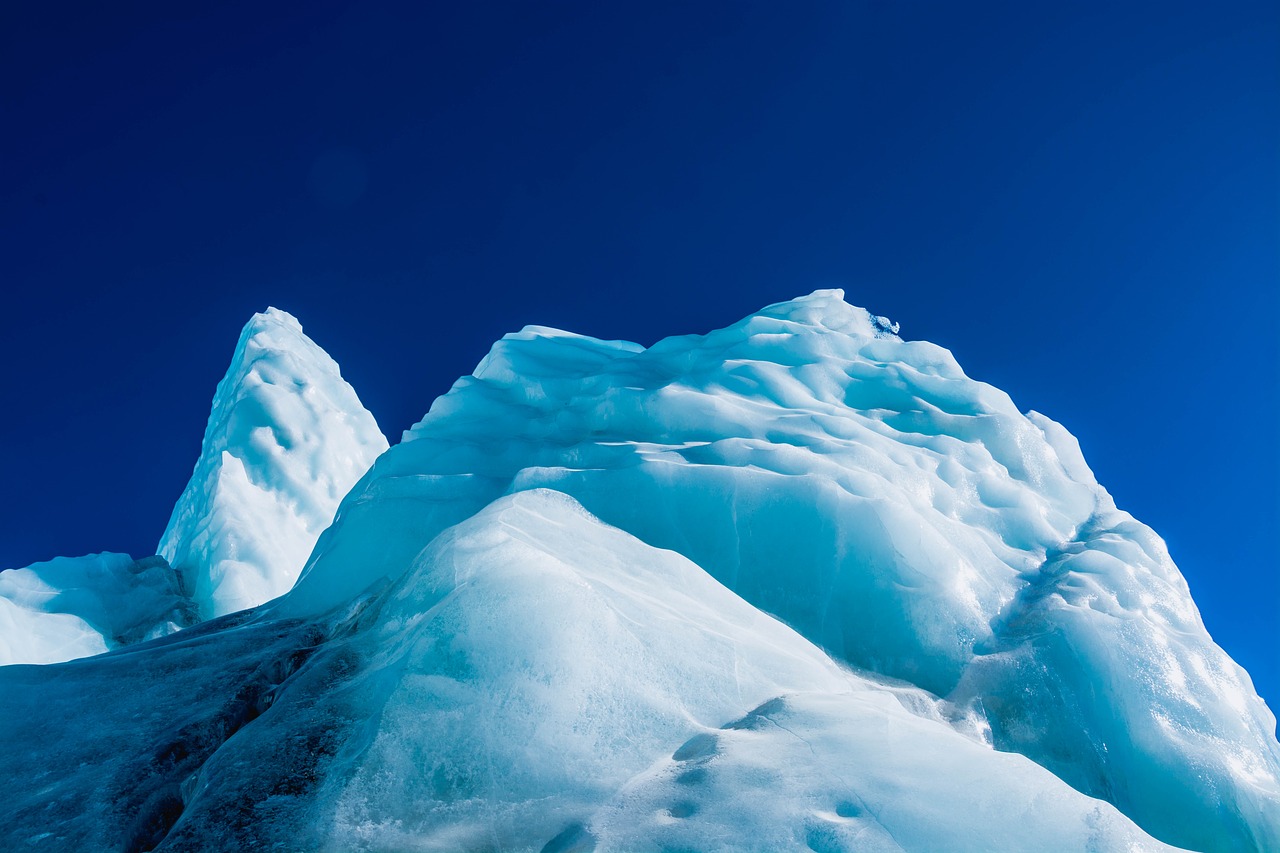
792, 584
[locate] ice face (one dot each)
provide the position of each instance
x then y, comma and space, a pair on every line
287, 438
892, 510
72, 607
534, 680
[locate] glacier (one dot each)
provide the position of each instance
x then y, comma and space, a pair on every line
793, 584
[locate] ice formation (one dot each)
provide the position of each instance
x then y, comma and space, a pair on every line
72, 607
793, 584
534, 680
287, 438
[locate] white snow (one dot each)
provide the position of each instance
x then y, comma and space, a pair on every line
287, 438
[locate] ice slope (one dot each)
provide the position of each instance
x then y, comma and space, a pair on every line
534, 680
72, 607
287, 438
895, 512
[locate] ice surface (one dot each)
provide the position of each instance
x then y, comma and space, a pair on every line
72, 607
287, 438
895, 512
546, 621
535, 680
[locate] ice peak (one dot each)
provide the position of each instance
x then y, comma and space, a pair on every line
286, 438
276, 331
272, 316
827, 309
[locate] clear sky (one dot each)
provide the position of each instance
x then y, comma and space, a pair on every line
1081, 201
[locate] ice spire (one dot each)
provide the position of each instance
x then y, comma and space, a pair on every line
287, 438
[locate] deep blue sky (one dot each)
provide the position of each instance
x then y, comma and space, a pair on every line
1082, 202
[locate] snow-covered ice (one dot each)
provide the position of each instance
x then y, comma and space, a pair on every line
536, 680
793, 584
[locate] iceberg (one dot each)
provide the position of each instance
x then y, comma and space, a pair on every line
796, 583
287, 438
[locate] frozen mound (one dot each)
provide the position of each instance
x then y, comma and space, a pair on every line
72, 607
896, 513
533, 680
287, 438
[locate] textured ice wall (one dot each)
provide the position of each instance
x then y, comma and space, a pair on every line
894, 511
287, 437
72, 607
